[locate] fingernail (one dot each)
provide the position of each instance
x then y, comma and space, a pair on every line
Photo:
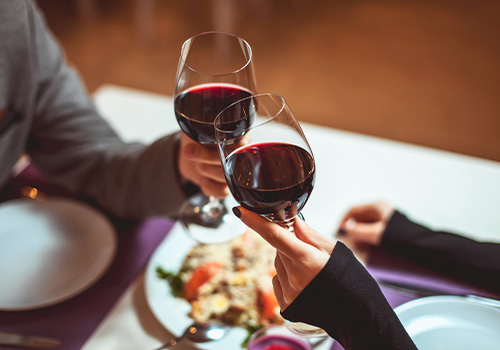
237, 212
191, 150
341, 232
350, 224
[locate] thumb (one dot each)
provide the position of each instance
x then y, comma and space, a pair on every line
306, 234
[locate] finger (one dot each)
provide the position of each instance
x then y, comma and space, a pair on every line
279, 237
278, 293
352, 213
201, 154
214, 188
310, 236
287, 268
385, 210
290, 282
280, 268
213, 172
348, 216
364, 213
370, 233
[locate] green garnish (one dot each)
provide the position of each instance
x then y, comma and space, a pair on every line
251, 330
173, 279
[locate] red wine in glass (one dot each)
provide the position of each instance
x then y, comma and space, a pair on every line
277, 337
272, 179
277, 342
196, 109
215, 69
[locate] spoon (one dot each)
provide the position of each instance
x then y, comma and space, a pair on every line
199, 333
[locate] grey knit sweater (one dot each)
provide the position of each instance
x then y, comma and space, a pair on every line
45, 112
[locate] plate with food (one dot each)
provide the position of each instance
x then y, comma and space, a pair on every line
230, 282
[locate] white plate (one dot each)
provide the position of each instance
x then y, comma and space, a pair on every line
173, 312
50, 250
451, 322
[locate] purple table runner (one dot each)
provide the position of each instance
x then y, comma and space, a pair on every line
388, 267
74, 320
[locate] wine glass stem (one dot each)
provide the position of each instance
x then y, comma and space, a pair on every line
289, 226
214, 208
289, 223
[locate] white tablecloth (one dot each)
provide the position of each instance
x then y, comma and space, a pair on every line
439, 189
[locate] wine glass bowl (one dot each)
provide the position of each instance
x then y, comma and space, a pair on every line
268, 164
215, 69
276, 336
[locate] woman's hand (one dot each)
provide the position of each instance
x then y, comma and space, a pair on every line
300, 255
202, 166
366, 223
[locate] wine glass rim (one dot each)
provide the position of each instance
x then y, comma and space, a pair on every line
268, 120
217, 32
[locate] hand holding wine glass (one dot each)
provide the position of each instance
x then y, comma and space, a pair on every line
300, 256
270, 170
201, 166
215, 69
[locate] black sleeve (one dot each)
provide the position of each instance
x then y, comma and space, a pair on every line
448, 253
347, 303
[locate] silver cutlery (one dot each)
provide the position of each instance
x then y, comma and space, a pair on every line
199, 333
427, 291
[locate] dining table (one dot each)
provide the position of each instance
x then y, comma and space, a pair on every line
437, 188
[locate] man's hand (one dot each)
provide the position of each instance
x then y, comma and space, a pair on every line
202, 166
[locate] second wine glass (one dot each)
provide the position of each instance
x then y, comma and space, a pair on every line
215, 70
268, 165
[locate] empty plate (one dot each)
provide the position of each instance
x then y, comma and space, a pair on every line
451, 322
50, 250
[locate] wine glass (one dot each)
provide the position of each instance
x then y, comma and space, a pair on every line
268, 164
215, 69
277, 336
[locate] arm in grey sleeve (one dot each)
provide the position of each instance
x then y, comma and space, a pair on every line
76, 148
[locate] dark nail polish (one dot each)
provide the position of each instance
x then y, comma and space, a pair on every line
341, 232
237, 212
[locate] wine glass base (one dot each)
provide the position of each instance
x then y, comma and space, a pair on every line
305, 330
208, 224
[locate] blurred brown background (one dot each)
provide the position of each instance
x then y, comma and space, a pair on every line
419, 71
